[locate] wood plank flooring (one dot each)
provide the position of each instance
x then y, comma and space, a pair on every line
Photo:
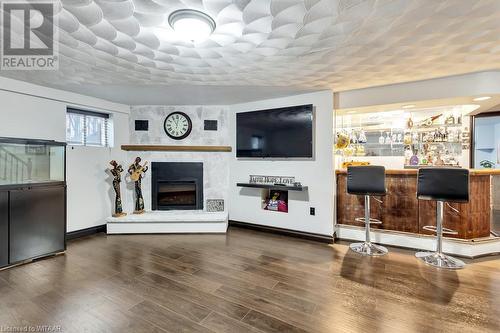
245, 281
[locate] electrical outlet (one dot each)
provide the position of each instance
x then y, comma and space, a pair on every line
312, 210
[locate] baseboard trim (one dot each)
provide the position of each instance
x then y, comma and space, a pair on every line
85, 232
281, 231
419, 242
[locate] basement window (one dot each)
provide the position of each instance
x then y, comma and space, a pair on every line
88, 128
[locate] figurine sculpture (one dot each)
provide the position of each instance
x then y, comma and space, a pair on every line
137, 171
116, 171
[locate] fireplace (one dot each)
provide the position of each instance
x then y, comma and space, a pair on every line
177, 185
177, 195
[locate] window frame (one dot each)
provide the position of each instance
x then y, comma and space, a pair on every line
86, 113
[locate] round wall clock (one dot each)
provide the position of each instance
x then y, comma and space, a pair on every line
177, 125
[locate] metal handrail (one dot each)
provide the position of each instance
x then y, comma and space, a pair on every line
16, 164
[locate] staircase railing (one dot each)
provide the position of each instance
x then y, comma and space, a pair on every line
12, 168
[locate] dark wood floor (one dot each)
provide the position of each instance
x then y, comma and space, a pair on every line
245, 281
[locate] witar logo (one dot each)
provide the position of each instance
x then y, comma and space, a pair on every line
29, 35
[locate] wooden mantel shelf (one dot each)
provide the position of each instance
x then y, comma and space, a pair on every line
176, 148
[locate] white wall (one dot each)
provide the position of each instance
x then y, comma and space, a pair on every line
317, 174
37, 112
90, 191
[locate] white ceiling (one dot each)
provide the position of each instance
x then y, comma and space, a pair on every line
110, 49
182, 94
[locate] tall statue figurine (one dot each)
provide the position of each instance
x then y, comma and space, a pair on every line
137, 171
116, 171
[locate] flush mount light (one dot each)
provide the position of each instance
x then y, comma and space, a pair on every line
191, 25
408, 106
479, 99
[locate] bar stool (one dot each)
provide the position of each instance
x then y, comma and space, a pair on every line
368, 181
442, 185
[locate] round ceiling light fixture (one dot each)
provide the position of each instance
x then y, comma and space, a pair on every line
191, 25
483, 98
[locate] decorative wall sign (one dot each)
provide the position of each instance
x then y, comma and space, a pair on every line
215, 205
256, 179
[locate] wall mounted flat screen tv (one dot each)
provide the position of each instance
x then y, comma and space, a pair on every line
275, 133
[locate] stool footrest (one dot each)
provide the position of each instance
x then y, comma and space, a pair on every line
445, 230
440, 260
371, 221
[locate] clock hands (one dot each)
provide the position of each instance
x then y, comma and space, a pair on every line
177, 125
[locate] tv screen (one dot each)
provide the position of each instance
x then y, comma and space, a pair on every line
278, 133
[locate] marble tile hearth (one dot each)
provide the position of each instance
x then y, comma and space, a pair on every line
172, 221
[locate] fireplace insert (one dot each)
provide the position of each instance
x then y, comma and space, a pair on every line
177, 185
176, 195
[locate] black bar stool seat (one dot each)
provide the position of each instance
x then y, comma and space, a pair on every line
367, 181
442, 185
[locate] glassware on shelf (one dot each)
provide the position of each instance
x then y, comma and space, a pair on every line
381, 139
387, 138
349, 151
360, 150
362, 137
407, 139
465, 135
450, 120
353, 137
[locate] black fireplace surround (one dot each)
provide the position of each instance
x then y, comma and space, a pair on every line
177, 185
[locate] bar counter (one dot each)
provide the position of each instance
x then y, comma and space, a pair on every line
401, 211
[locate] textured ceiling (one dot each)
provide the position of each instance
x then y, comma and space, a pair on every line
311, 44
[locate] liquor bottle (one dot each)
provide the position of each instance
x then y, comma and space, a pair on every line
414, 159
408, 154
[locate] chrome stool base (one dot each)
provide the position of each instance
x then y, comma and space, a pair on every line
440, 260
368, 249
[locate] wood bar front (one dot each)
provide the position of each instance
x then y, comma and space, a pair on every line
401, 211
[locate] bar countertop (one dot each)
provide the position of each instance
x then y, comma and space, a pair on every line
473, 172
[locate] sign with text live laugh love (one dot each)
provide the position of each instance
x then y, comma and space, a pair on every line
29, 35
258, 179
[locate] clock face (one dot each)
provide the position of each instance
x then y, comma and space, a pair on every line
177, 125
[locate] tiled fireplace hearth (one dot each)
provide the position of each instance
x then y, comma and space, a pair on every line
176, 186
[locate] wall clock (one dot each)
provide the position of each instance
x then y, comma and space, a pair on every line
178, 125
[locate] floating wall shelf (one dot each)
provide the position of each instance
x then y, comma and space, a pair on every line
176, 148
273, 187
